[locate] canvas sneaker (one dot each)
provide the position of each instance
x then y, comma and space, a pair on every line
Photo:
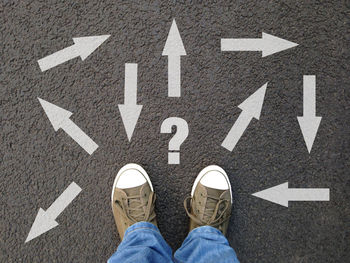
133, 199
211, 199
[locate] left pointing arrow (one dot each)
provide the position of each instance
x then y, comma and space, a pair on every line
59, 118
46, 220
281, 194
83, 47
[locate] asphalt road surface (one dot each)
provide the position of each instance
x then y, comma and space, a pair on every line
37, 163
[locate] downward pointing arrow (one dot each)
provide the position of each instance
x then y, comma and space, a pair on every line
281, 194
59, 118
309, 123
83, 47
130, 111
268, 44
251, 108
46, 220
174, 48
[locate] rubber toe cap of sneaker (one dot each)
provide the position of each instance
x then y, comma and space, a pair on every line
216, 180
130, 178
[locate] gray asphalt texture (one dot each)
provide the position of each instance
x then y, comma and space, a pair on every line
37, 163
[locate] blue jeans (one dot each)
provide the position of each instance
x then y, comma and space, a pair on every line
143, 243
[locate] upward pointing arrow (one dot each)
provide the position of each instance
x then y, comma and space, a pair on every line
309, 122
46, 220
268, 44
59, 118
174, 48
251, 108
130, 111
281, 194
83, 47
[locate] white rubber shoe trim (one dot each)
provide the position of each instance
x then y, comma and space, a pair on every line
132, 178
205, 171
127, 167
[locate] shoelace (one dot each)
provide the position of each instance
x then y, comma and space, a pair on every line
138, 213
214, 216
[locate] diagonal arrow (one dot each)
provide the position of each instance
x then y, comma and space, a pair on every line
281, 194
83, 47
251, 108
59, 118
46, 220
174, 49
309, 122
130, 111
268, 44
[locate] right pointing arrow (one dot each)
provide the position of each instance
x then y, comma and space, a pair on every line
130, 111
309, 122
83, 47
251, 108
281, 194
268, 44
46, 220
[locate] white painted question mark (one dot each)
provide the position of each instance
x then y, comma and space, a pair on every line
179, 137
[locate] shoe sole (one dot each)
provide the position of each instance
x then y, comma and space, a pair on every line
208, 169
130, 166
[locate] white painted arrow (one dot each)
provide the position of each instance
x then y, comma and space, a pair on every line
268, 44
130, 111
251, 108
46, 220
281, 194
59, 118
174, 48
83, 47
309, 123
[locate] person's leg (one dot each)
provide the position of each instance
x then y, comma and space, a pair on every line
206, 244
210, 210
142, 243
133, 203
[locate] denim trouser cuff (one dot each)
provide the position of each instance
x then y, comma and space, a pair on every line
141, 225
